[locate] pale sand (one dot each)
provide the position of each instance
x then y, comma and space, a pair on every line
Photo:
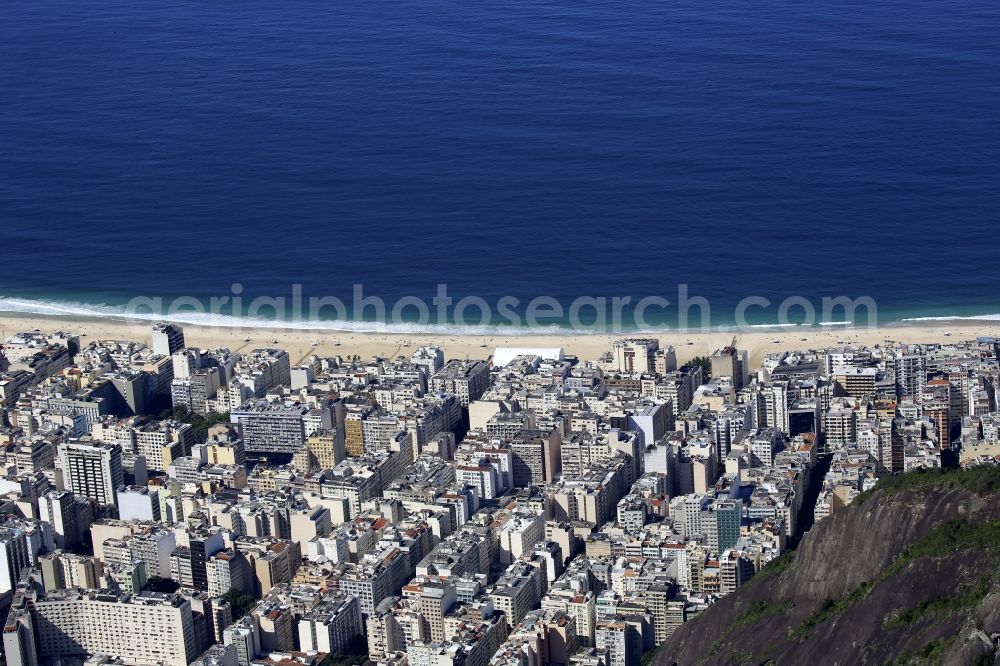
300, 344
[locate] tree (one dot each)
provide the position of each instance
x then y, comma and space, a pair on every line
158, 584
239, 602
705, 363
199, 424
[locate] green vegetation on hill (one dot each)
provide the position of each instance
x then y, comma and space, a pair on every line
941, 606
931, 653
983, 480
775, 566
757, 611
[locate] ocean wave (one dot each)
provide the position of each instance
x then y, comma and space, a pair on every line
90, 311
984, 317
101, 311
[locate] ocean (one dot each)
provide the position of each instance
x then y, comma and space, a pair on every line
522, 149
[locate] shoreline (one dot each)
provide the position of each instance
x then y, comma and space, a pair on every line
302, 342
556, 326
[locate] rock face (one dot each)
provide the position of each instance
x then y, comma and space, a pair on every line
908, 574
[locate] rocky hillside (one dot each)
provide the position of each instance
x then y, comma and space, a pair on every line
908, 574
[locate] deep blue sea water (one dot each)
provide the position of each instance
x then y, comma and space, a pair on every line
520, 148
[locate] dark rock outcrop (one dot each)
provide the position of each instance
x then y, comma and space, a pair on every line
908, 575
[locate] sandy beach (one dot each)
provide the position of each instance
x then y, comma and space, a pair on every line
301, 343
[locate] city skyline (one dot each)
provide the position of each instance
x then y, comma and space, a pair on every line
527, 504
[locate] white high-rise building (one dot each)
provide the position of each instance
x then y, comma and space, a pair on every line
332, 625
149, 628
763, 446
776, 405
911, 372
272, 427
429, 358
139, 503
60, 509
92, 469
167, 339
636, 354
466, 379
